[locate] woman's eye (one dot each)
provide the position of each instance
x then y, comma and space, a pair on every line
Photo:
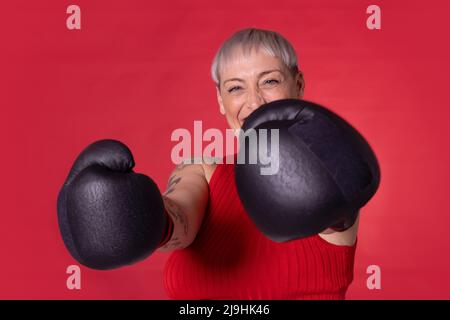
271, 81
234, 89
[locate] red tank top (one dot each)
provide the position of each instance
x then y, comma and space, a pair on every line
231, 259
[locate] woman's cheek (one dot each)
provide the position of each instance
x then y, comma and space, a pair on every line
273, 95
235, 104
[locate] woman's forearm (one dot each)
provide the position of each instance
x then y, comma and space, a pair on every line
185, 201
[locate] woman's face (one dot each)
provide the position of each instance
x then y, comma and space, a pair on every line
249, 81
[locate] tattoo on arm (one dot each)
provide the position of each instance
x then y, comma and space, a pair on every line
179, 219
178, 216
173, 243
174, 179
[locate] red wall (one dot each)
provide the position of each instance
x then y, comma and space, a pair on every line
137, 70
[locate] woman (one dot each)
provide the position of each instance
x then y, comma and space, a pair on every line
223, 255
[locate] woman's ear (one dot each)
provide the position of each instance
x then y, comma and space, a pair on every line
220, 101
300, 82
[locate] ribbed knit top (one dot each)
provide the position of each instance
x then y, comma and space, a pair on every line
231, 259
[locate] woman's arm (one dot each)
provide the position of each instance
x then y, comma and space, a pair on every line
185, 200
344, 238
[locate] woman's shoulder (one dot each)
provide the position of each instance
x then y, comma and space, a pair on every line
209, 168
209, 165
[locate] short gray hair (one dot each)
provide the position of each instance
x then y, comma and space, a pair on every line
247, 39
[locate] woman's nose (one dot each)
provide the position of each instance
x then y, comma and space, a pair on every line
255, 100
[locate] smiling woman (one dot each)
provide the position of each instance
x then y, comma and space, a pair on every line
225, 256
253, 68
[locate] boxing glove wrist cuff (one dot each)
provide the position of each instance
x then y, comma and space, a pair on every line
167, 234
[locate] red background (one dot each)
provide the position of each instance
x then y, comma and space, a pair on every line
137, 70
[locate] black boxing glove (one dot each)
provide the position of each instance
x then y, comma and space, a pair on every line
108, 215
327, 171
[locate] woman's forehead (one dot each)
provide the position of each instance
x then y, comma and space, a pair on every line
241, 55
239, 60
